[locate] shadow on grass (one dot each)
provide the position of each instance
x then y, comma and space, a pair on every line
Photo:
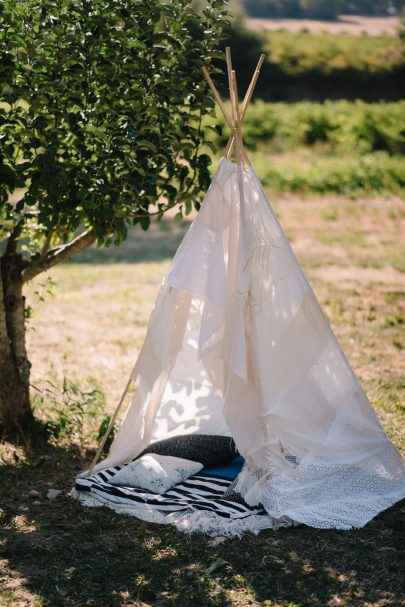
159, 242
61, 554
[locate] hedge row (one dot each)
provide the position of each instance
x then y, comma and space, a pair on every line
342, 125
300, 52
369, 174
321, 66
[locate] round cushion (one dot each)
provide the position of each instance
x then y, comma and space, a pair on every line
209, 449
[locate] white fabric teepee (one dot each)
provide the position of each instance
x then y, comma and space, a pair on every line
237, 344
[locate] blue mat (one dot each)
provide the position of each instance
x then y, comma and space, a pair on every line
230, 471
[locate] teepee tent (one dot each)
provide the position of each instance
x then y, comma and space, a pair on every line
237, 345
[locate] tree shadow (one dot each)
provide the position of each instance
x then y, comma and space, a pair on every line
159, 242
60, 553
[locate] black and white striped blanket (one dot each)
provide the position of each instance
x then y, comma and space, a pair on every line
199, 492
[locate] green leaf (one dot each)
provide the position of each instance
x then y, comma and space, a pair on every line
179, 215
7, 175
144, 222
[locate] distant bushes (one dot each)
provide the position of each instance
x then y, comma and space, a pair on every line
320, 66
320, 9
316, 9
344, 126
300, 52
372, 173
337, 147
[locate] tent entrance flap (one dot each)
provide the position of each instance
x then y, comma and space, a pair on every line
190, 404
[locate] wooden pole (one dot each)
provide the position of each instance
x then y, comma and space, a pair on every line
233, 92
217, 96
233, 98
246, 101
240, 151
110, 427
229, 68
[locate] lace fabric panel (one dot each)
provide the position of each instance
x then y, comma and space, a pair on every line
356, 474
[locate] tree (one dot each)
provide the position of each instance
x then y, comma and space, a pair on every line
100, 128
372, 7
320, 9
272, 8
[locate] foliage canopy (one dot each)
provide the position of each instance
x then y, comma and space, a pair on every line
100, 126
100, 113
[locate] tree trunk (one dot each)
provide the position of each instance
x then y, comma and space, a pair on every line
15, 410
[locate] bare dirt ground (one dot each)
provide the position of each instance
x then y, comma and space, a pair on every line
353, 24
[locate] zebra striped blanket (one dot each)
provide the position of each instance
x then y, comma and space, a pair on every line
198, 493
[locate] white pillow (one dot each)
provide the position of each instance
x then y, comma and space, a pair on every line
156, 473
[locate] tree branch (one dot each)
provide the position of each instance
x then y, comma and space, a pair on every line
58, 254
46, 246
12, 241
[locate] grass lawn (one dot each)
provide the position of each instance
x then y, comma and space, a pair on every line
57, 553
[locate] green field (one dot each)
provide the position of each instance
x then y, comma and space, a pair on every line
343, 125
300, 52
319, 66
333, 147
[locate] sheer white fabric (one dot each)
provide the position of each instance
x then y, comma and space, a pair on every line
237, 344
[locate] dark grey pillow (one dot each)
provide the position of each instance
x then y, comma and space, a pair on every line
208, 449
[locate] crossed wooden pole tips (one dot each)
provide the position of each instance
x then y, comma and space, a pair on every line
238, 113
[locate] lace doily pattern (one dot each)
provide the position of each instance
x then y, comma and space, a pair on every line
324, 494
